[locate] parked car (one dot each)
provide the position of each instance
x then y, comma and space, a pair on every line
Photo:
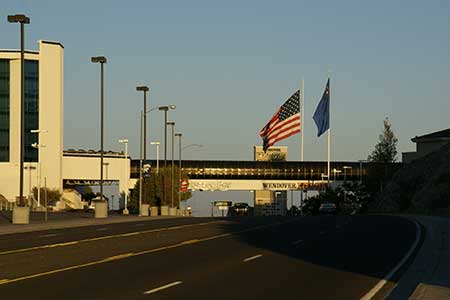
241, 209
327, 209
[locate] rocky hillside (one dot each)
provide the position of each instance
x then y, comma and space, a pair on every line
422, 186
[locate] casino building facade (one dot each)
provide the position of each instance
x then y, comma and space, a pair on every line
44, 93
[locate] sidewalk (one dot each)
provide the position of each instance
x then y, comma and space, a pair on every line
428, 277
58, 220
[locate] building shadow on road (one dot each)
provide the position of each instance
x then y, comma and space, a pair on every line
353, 246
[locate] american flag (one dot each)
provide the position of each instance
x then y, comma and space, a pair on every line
284, 123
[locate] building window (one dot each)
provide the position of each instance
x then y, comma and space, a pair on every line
31, 109
4, 110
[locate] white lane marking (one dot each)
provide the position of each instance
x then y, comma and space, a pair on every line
163, 287
102, 229
190, 242
49, 235
120, 256
370, 294
62, 244
297, 242
252, 258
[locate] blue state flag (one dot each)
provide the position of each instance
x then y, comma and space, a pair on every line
322, 113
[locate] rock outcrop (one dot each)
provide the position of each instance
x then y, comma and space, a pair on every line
422, 186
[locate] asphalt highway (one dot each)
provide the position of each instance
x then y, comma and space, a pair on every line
203, 258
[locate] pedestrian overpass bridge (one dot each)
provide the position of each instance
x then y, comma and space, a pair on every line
264, 175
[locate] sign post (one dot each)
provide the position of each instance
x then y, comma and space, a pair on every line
223, 205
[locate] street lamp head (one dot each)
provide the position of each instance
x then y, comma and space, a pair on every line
142, 88
154, 143
167, 107
171, 123
18, 19
98, 59
178, 134
124, 141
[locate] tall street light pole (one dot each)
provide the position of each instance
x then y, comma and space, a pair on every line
101, 60
140, 165
172, 124
22, 19
179, 135
157, 155
165, 109
144, 89
125, 142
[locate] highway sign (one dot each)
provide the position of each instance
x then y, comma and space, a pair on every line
223, 203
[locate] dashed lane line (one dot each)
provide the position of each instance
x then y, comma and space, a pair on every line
48, 235
163, 287
297, 242
102, 229
107, 237
252, 258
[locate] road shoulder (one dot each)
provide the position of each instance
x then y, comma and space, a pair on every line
428, 277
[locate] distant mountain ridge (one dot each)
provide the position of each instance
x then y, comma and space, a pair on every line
422, 186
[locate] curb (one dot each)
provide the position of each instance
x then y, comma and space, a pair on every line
75, 223
377, 288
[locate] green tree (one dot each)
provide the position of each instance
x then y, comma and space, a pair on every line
152, 189
350, 198
386, 149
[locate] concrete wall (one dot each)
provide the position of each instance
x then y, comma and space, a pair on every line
51, 111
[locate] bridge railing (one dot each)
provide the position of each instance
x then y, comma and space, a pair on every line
290, 170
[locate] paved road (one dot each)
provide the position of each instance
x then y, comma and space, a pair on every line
195, 258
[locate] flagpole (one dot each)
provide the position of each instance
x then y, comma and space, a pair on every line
302, 115
329, 129
302, 127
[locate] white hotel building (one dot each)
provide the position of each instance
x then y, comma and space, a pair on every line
44, 110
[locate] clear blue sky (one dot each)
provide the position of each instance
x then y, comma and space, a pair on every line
228, 65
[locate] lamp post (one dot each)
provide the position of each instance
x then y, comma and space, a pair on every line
172, 124
361, 161
125, 142
140, 165
101, 60
165, 109
38, 147
345, 172
144, 89
22, 19
179, 135
157, 155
